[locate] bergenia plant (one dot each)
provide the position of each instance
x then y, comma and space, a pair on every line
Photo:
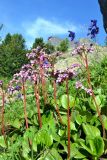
82, 50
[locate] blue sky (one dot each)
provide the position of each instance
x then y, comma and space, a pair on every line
44, 18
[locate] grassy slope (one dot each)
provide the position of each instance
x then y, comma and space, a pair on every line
66, 59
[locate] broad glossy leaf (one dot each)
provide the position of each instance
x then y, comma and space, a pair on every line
16, 123
72, 126
64, 101
104, 121
51, 155
2, 142
86, 148
91, 131
99, 145
99, 100
44, 137
78, 119
55, 154
26, 149
34, 145
79, 155
96, 146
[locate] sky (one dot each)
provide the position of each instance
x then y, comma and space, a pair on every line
44, 18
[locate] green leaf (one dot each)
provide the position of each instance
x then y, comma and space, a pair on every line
74, 149
72, 126
99, 145
44, 137
79, 155
78, 119
34, 145
99, 100
26, 149
2, 142
55, 154
91, 130
95, 147
64, 101
51, 155
104, 121
86, 148
16, 123
61, 132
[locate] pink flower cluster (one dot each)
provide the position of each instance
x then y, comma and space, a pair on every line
84, 48
79, 85
61, 76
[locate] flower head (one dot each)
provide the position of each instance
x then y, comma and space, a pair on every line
61, 75
79, 85
71, 35
93, 29
83, 48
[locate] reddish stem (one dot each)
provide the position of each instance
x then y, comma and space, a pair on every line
93, 95
24, 102
36, 91
43, 82
68, 117
2, 121
44, 86
57, 109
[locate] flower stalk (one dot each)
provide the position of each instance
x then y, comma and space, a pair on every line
43, 82
55, 100
68, 117
36, 91
93, 95
24, 102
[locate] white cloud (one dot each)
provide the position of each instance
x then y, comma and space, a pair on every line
45, 28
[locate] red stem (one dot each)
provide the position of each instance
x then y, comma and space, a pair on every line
43, 82
2, 121
36, 90
24, 101
93, 95
57, 109
44, 86
68, 117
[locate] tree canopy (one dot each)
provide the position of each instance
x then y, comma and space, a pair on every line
12, 54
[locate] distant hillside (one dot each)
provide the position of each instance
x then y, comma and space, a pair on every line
66, 59
54, 40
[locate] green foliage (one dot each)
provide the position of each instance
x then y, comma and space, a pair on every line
12, 54
38, 42
50, 142
63, 46
64, 101
49, 48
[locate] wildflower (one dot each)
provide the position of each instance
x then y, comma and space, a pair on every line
84, 48
75, 65
10, 90
79, 85
17, 88
61, 76
71, 35
93, 30
89, 91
